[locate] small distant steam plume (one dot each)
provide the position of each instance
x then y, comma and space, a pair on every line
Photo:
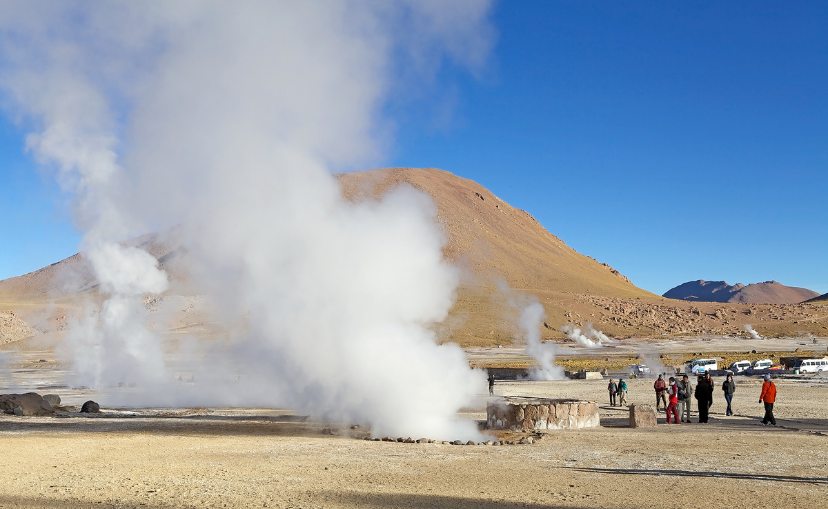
531, 319
589, 337
652, 359
530, 315
753, 333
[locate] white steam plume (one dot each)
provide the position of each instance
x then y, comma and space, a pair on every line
530, 321
652, 359
589, 338
227, 119
752, 332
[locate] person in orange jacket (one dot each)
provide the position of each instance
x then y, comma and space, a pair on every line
768, 397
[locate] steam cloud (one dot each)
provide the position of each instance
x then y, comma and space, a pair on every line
652, 359
753, 333
529, 320
589, 338
227, 119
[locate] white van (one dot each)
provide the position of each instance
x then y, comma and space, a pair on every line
811, 365
763, 364
639, 369
739, 366
698, 366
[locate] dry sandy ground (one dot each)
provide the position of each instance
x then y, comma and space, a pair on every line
267, 458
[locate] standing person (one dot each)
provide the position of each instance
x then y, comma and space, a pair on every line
660, 387
671, 408
729, 387
685, 392
768, 397
704, 396
622, 392
612, 388
491, 384
710, 382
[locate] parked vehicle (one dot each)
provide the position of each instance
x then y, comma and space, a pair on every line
698, 366
762, 364
639, 369
739, 366
811, 365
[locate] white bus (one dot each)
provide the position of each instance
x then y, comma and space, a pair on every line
698, 366
811, 365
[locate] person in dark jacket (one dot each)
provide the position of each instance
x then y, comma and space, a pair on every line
729, 387
704, 396
613, 390
491, 384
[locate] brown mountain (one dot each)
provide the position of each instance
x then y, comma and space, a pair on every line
821, 298
492, 242
769, 292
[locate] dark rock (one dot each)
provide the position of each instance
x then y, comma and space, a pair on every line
17, 410
457, 442
90, 407
30, 403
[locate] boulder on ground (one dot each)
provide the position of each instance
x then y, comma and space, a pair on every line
90, 407
53, 399
30, 403
642, 416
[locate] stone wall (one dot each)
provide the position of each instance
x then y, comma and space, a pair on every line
519, 414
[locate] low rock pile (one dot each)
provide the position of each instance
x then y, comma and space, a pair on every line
542, 414
30, 403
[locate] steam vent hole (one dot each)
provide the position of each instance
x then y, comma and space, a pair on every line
520, 414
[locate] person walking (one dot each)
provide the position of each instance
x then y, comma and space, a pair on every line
768, 397
704, 397
709, 379
729, 387
491, 384
613, 389
660, 387
622, 392
685, 391
673, 396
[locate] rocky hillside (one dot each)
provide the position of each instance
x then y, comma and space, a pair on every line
769, 292
492, 242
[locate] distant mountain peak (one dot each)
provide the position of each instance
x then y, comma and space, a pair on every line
768, 292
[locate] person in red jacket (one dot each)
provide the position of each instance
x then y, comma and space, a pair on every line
672, 407
768, 397
660, 388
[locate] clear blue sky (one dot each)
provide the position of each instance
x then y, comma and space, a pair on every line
674, 142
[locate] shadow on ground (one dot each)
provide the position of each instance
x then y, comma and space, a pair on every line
692, 473
206, 425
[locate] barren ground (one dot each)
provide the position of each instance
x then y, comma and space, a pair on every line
272, 458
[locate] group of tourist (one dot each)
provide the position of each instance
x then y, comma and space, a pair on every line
674, 397
618, 391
